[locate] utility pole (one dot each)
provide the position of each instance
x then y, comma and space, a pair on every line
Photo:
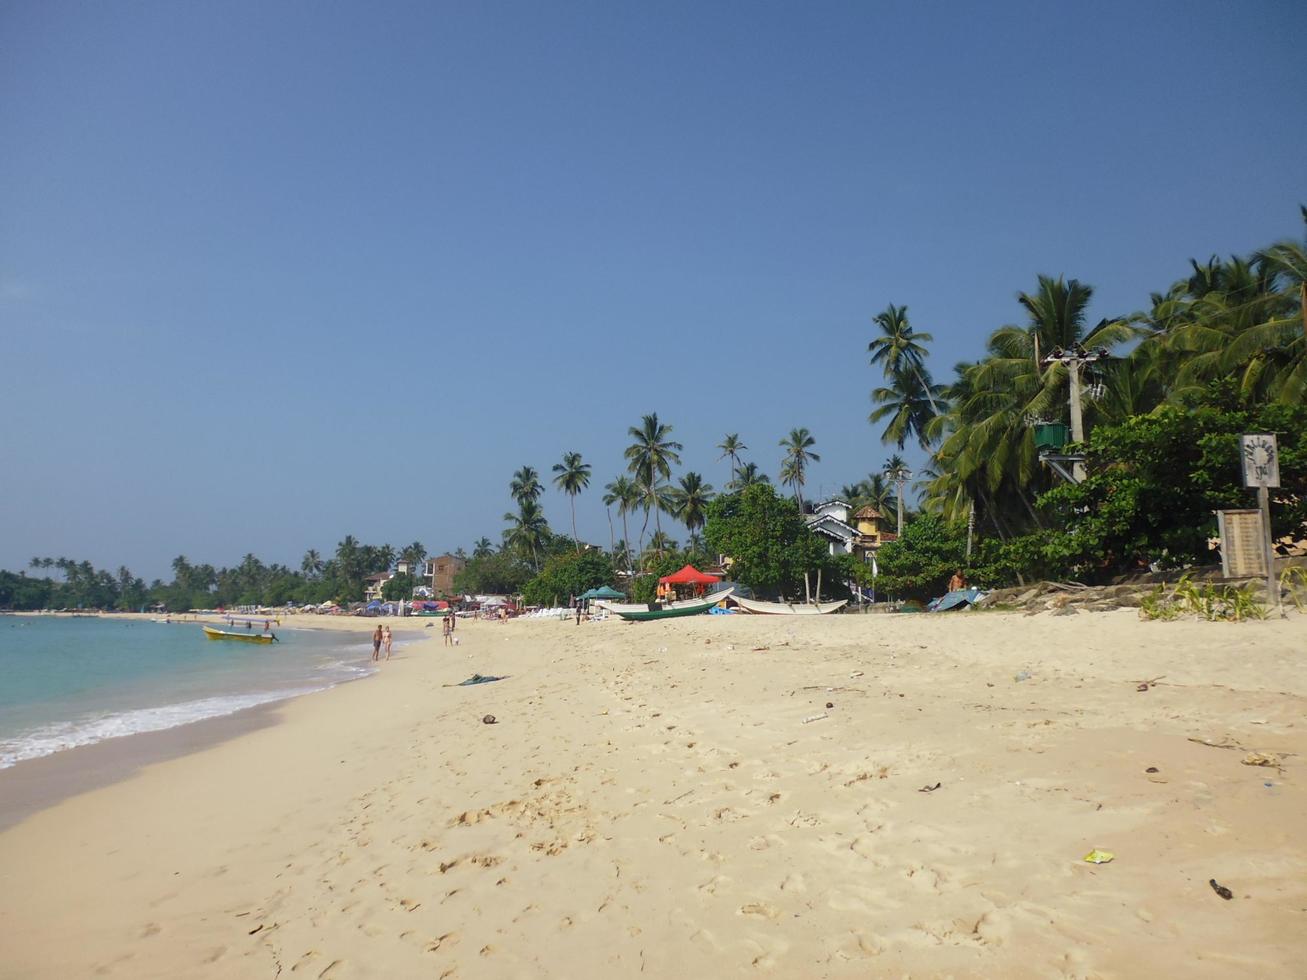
1073, 360
971, 527
899, 475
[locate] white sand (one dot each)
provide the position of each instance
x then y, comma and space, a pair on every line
669, 814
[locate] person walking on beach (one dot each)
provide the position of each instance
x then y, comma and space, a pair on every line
376, 645
386, 637
447, 629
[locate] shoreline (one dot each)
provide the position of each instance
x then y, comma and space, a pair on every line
31, 785
664, 798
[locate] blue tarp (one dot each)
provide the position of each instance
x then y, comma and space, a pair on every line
958, 599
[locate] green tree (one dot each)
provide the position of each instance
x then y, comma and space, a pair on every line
398, 587
626, 495
794, 465
747, 476
572, 477
567, 575
901, 353
527, 531
525, 487
650, 459
690, 501
731, 448
767, 542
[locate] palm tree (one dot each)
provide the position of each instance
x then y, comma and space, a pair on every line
661, 543
909, 404
527, 531
650, 459
901, 351
573, 477
626, 495
415, 554
731, 447
748, 476
483, 548
525, 485
896, 470
311, 565
794, 465
690, 501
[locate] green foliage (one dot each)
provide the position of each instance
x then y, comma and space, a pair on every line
1213, 602
569, 574
399, 587
919, 564
769, 546
1157, 479
495, 573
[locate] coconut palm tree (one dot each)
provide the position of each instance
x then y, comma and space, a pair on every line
311, 564
572, 477
897, 472
901, 352
731, 447
794, 465
910, 404
527, 531
525, 485
483, 548
690, 501
415, 554
623, 493
747, 476
650, 458
660, 543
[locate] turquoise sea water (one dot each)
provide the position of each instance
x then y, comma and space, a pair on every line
66, 682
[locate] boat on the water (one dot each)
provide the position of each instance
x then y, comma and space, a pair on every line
640, 612
216, 634
790, 608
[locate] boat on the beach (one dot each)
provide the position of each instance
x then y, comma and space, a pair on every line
790, 608
216, 634
639, 611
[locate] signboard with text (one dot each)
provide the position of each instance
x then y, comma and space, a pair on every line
1243, 547
1261, 460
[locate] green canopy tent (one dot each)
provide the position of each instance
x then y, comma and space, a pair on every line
603, 592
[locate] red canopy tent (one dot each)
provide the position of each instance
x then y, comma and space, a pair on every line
689, 575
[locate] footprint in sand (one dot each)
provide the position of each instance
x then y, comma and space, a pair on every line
760, 910
794, 883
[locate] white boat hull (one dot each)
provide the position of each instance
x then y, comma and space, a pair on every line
760, 608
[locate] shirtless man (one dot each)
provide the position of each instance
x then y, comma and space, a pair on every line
376, 644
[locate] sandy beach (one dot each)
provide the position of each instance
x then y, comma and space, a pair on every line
668, 800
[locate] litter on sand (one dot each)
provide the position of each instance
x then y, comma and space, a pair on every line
1221, 890
1261, 759
930, 789
815, 717
476, 679
1099, 857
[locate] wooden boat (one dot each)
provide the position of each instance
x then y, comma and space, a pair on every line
217, 634
790, 608
640, 612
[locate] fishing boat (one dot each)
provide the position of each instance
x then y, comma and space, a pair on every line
790, 608
217, 634
640, 612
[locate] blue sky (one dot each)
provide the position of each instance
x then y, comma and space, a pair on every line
275, 273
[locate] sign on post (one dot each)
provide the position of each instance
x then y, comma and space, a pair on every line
1261, 469
1261, 460
1243, 543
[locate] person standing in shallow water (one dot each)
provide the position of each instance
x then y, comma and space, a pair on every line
376, 644
386, 637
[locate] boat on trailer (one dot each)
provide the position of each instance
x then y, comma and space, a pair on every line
213, 633
758, 607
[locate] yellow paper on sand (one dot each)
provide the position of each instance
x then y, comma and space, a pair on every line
1099, 857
